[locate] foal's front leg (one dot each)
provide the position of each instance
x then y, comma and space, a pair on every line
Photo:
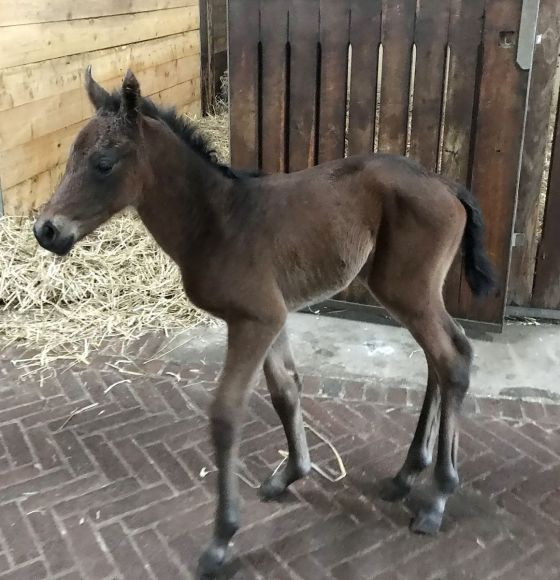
248, 342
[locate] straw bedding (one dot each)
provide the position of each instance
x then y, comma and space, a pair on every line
115, 283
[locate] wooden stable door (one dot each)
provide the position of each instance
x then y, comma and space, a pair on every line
439, 80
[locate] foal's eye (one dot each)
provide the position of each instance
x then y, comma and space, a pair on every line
104, 166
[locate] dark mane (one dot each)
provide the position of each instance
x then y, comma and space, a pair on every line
187, 131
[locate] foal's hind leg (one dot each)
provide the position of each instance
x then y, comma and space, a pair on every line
419, 455
285, 389
450, 354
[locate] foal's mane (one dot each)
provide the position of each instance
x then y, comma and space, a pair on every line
185, 129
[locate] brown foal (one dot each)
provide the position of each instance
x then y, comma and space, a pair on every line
252, 248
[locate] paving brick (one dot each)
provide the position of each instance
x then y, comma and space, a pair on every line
130, 503
125, 555
138, 461
14, 527
53, 544
35, 570
75, 452
107, 459
89, 554
99, 496
34, 485
16, 444
154, 551
171, 468
45, 448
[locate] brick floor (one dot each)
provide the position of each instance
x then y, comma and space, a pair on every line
106, 472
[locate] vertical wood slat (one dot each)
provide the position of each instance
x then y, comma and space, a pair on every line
397, 38
334, 39
274, 39
465, 38
243, 18
430, 37
365, 38
533, 158
207, 94
499, 129
304, 41
546, 291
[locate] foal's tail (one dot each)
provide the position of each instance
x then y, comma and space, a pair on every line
478, 268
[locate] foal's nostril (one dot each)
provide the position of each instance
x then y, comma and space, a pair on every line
48, 232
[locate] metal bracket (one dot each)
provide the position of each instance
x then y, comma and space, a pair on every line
527, 33
518, 240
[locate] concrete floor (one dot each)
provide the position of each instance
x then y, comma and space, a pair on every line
522, 362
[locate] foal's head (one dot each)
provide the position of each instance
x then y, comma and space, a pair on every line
105, 171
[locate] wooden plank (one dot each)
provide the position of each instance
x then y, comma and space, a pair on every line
24, 84
334, 34
27, 160
532, 161
397, 37
33, 157
31, 193
44, 116
39, 42
304, 40
184, 96
243, 81
430, 37
365, 38
37, 11
207, 56
465, 40
274, 38
546, 291
499, 128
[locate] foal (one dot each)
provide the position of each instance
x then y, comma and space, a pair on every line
253, 248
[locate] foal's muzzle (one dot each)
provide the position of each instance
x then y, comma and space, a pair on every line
52, 238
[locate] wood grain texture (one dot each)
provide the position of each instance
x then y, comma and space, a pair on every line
465, 42
27, 83
365, 38
304, 60
244, 79
39, 11
499, 129
274, 41
30, 43
397, 37
533, 159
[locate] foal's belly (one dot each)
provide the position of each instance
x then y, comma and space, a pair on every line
311, 278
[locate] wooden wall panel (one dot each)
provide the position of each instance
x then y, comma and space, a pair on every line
42, 101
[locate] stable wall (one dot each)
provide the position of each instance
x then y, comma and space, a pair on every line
45, 46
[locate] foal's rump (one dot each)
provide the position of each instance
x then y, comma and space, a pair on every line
381, 217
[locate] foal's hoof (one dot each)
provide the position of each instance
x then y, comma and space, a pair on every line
391, 489
212, 561
277, 484
427, 522
272, 488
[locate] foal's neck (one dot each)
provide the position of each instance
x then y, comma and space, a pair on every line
184, 201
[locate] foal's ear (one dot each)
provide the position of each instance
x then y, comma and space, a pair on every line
130, 96
98, 96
